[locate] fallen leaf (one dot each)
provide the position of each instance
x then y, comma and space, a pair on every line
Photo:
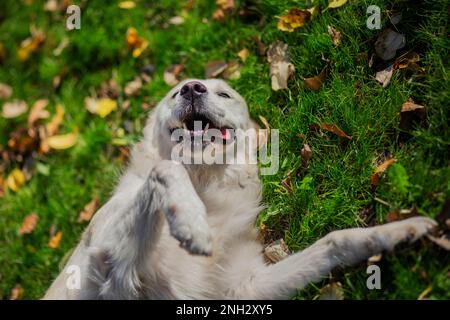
133, 87
88, 211
411, 114
374, 259
14, 109
51, 5
387, 44
262, 49
224, 8
29, 224
443, 241
3, 186
276, 251
264, 122
5, 91
384, 76
315, 83
334, 129
306, 154
172, 74
101, 107
280, 66
375, 178
232, 71
31, 44
336, 3
136, 44
53, 125
176, 21
16, 292
335, 35
215, 68
397, 215
314, 11
55, 240
332, 291
62, 141
406, 60
127, 5
295, 18
425, 292
15, 180
286, 183
243, 55
38, 112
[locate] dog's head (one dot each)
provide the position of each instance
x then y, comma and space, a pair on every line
204, 113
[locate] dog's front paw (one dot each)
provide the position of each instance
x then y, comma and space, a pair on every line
408, 230
189, 226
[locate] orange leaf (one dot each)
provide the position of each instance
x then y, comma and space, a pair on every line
55, 240
334, 129
88, 211
29, 223
375, 178
16, 292
315, 83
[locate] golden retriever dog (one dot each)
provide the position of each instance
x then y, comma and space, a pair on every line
185, 229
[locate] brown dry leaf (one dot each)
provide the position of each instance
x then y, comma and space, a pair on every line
38, 112
411, 114
262, 49
243, 54
5, 91
443, 241
55, 240
232, 71
384, 76
215, 68
31, 44
15, 180
172, 74
88, 211
16, 292
280, 66
332, 291
53, 125
406, 60
2, 186
286, 182
136, 44
335, 35
396, 215
315, 83
133, 87
306, 154
387, 44
224, 8
29, 223
276, 251
375, 178
334, 129
295, 18
14, 109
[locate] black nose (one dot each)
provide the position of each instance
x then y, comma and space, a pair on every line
192, 90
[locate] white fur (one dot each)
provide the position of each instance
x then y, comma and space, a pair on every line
131, 248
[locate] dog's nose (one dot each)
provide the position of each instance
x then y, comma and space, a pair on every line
192, 90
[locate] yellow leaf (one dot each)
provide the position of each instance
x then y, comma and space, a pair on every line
127, 5
62, 141
15, 180
52, 126
137, 51
105, 106
294, 19
55, 240
243, 54
336, 3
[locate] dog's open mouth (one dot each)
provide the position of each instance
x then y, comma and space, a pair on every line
201, 127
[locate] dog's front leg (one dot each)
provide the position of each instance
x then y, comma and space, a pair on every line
339, 248
134, 229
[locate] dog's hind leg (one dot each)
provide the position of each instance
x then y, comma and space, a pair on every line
339, 248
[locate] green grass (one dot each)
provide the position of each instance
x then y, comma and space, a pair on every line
339, 194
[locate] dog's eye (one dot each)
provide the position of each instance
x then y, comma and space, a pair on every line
223, 95
175, 94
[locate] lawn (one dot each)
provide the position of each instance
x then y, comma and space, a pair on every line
304, 201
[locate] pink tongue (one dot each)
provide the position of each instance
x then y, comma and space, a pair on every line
225, 134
